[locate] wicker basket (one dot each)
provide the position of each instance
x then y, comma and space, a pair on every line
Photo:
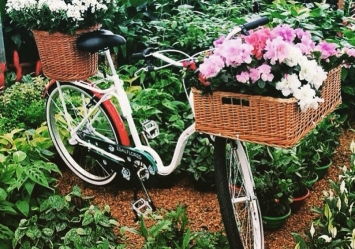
265, 120
60, 58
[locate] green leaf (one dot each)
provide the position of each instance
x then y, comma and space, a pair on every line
162, 225
3, 194
88, 219
19, 156
327, 211
80, 231
47, 231
6, 233
60, 226
23, 206
29, 186
2, 158
37, 176
7, 207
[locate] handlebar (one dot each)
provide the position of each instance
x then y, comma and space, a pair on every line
248, 26
256, 23
152, 52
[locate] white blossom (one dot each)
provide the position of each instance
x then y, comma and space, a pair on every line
312, 231
339, 204
343, 188
326, 238
352, 147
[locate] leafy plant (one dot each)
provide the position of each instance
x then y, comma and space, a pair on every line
334, 227
22, 105
170, 230
274, 173
25, 175
65, 222
199, 162
319, 145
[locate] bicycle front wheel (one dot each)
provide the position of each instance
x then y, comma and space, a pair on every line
66, 107
235, 188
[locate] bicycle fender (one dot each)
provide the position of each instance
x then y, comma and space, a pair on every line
118, 122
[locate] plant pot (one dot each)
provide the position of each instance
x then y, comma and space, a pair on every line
299, 199
312, 181
271, 223
322, 170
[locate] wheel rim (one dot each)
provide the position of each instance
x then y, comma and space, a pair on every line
78, 102
239, 205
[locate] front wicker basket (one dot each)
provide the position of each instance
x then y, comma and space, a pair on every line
259, 119
60, 58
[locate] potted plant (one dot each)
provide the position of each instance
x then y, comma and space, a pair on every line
274, 175
317, 148
59, 23
243, 73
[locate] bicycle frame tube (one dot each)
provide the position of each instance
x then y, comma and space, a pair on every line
117, 91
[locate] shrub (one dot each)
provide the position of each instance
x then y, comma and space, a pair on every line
22, 105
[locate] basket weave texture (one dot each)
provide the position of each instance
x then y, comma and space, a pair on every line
264, 120
60, 57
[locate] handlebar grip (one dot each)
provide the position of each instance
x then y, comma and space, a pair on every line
142, 55
256, 23
137, 56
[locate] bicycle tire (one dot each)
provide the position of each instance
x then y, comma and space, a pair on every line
239, 206
76, 156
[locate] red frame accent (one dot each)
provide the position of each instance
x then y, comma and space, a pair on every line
112, 111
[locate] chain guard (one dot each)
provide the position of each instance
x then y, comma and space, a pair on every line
137, 163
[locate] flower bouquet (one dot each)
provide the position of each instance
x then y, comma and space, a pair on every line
56, 25
270, 87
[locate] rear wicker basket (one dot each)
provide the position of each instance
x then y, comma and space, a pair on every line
265, 120
60, 58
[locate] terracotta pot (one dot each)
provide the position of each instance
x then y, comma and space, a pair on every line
298, 201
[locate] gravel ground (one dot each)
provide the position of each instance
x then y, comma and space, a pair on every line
202, 206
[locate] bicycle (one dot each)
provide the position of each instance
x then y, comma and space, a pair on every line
91, 137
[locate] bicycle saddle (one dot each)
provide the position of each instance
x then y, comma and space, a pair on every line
99, 40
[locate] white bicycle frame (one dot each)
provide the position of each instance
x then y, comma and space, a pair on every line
117, 91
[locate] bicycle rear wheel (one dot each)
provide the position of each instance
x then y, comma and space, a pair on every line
235, 188
77, 103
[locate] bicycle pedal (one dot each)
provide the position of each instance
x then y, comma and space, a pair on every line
151, 128
142, 207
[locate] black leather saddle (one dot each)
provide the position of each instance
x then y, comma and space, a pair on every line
99, 40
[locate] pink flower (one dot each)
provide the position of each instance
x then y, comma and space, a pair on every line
243, 77
219, 41
276, 50
211, 66
326, 49
254, 74
265, 72
286, 32
350, 51
235, 52
258, 40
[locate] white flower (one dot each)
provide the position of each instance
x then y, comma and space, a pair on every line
331, 195
339, 204
334, 232
326, 238
294, 56
352, 147
307, 97
312, 231
289, 84
351, 208
343, 188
